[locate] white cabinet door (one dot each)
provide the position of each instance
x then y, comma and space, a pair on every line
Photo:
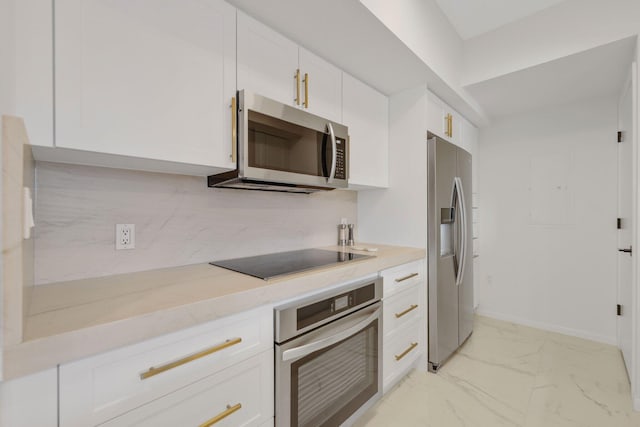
323, 89
444, 121
34, 69
366, 114
267, 61
149, 79
268, 64
30, 401
436, 117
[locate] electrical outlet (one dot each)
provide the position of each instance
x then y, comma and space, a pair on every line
125, 236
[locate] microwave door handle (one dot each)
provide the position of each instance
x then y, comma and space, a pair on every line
334, 154
331, 338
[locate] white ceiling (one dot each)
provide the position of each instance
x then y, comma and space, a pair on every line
591, 74
471, 18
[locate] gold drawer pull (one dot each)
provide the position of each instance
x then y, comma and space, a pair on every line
402, 313
404, 353
402, 279
230, 410
155, 371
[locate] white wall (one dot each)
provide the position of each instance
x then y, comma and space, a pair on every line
547, 213
569, 27
425, 29
178, 221
398, 214
7, 57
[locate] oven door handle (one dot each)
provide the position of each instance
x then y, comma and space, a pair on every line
332, 336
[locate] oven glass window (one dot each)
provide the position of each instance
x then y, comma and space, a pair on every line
331, 384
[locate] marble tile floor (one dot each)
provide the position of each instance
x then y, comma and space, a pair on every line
512, 375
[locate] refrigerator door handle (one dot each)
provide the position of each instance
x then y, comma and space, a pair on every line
463, 226
457, 228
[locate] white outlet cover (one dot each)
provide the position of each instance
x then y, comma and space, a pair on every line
125, 236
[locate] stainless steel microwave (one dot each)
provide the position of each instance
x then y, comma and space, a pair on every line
283, 148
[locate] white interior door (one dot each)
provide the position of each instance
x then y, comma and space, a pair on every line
625, 214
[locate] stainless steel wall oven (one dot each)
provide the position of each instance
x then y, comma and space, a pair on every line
329, 355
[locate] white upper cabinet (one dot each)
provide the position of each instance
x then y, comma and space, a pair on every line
34, 69
150, 79
366, 114
273, 66
267, 61
322, 86
436, 118
443, 121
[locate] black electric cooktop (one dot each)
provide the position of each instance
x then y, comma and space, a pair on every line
282, 263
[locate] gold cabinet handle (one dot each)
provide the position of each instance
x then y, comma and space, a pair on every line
155, 371
234, 129
297, 77
222, 415
402, 313
402, 279
446, 125
450, 125
404, 353
306, 90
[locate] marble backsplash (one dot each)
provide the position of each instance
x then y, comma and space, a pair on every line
178, 221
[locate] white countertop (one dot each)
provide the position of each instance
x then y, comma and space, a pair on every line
67, 321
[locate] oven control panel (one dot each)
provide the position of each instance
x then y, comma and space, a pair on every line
341, 303
317, 312
297, 317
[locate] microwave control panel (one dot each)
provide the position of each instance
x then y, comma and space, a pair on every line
341, 158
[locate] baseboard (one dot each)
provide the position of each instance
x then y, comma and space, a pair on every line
548, 326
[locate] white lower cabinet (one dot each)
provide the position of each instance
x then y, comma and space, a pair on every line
241, 395
397, 279
401, 350
404, 321
103, 387
30, 401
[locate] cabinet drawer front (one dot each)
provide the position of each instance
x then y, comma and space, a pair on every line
402, 308
241, 395
98, 388
402, 277
400, 352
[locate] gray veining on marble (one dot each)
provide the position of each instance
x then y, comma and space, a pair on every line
511, 375
179, 221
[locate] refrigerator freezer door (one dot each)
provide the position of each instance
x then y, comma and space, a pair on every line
443, 292
465, 289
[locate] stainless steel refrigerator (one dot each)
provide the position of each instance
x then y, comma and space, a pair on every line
450, 250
